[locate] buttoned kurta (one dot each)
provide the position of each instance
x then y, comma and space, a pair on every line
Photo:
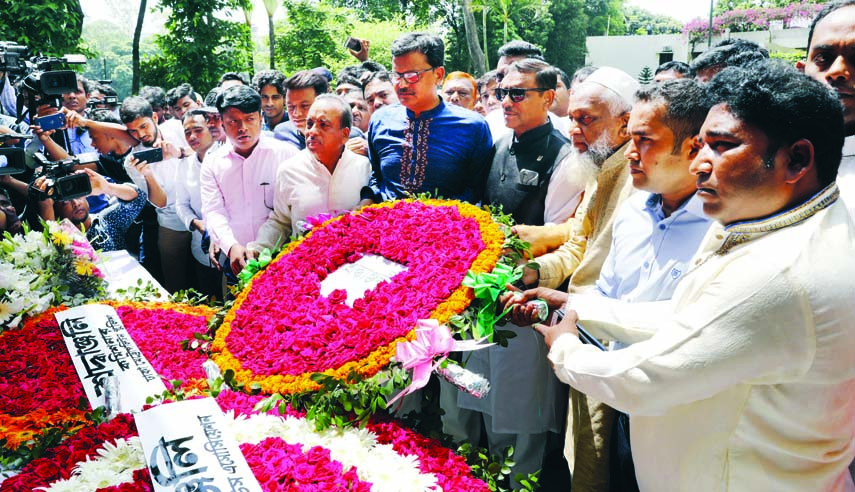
743, 381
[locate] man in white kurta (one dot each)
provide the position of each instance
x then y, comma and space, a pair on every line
743, 381
324, 178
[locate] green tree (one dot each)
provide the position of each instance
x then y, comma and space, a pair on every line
565, 45
645, 76
605, 17
642, 22
51, 27
200, 44
419, 11
313, 35
113, 51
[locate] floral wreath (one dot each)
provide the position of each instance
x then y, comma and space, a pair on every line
284, 452
280, 330
39, 388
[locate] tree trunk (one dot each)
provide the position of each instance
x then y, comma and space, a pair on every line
135, 83
479, 64
272, 41
484, 31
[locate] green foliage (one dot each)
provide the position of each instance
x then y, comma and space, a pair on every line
722, 6
789, 56
313, 36
141, 292
495, 470
605, 17
112, 43
200, 45
342, 402
565, 44
420, 11
645, 76
52, 27
642, 22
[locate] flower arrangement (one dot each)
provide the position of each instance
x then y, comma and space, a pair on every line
50, 268
304, 332
744, 20
39, 388
284, 452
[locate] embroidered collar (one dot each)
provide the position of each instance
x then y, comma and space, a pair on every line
742, 232
426, 114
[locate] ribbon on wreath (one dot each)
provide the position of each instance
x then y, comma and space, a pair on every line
430, 348
254, 266
488, 287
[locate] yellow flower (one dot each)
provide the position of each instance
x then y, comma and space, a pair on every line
61, 238
84, 267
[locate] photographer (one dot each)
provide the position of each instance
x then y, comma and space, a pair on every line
157, 176
105, 230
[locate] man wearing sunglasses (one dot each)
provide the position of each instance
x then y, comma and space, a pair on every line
424, 145
527, 401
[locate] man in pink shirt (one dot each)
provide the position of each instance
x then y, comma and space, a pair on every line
239, 178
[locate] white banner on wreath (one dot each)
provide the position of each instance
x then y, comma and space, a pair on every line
101, 349
360, 276
188, 446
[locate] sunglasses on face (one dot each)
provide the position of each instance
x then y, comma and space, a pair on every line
517, 94
409, 77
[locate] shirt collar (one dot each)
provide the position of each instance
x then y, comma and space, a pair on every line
742, 232
693, 206
426, 114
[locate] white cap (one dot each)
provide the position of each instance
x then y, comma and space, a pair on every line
616, 81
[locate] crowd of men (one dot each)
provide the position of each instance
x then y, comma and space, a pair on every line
702, 225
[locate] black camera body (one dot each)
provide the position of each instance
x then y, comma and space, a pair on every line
62, 182
38, 82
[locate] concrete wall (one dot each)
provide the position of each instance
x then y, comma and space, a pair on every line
632, 53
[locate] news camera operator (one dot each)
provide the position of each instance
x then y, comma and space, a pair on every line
105, 230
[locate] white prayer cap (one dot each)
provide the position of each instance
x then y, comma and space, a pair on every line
616, 81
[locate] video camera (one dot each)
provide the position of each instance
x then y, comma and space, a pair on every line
37, 80
12, 158
62, 182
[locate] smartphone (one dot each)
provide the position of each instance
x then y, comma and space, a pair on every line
354, 44
150, 155
50, 122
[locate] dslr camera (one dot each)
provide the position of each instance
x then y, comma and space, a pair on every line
62, 182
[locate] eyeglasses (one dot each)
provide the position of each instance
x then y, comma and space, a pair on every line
517, 94
409, 77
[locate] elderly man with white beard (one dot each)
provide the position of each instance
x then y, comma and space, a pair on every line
599, 114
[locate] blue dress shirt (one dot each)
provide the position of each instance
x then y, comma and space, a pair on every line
450, 154
650, 252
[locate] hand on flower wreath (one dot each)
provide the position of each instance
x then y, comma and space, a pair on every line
238, 257
567, 325
523, 314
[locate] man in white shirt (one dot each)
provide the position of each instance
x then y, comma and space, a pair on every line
207, 278
239, 178
742, 381
325, 177
157, 180
831, 59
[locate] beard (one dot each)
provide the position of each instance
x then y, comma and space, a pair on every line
584, 167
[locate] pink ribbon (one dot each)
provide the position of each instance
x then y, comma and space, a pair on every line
432, 340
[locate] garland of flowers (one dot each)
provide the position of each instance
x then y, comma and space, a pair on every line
284, 453
50, 268
305, 333
39, 387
